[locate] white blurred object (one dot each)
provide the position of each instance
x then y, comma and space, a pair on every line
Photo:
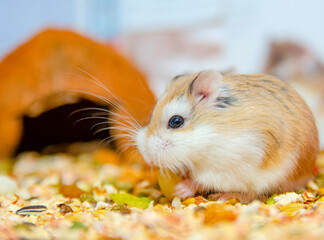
7, 185
107, 17
100, 18
303, 70
163, 55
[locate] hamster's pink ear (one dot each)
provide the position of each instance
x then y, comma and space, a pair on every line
205, 87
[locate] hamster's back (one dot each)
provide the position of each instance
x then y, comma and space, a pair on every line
283, 119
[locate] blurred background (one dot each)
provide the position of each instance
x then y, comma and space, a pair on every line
166, 38
171, 37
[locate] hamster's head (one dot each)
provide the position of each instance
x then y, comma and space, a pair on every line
180, 130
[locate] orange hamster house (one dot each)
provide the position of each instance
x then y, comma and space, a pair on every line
51, 70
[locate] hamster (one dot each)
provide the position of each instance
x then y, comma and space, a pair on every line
241, 136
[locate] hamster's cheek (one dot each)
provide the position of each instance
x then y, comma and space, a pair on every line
140, 140
158, 149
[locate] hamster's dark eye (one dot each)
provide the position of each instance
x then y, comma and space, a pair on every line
176, 121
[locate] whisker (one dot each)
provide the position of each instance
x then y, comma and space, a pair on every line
112, 138
149, 131
121, 128
129, 145
88, 109
124, 127
101, 130
138, 100
99, 83
131, 126
121, 117
128, 125
97, 124
110, 120
110, 102
108, 111
123, 150
87, 118
105, 139
125, 136
139, 79
126, 142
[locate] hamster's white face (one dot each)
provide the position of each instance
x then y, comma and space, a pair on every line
163, 142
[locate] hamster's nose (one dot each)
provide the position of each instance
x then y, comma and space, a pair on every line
163, 143
158, 144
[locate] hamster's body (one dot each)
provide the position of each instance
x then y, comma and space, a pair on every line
243, 136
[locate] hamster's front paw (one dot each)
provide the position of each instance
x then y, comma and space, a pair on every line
185, 189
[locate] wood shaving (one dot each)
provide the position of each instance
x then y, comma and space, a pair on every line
92, 214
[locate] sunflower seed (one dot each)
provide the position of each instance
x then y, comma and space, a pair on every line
64, 208
31, 210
